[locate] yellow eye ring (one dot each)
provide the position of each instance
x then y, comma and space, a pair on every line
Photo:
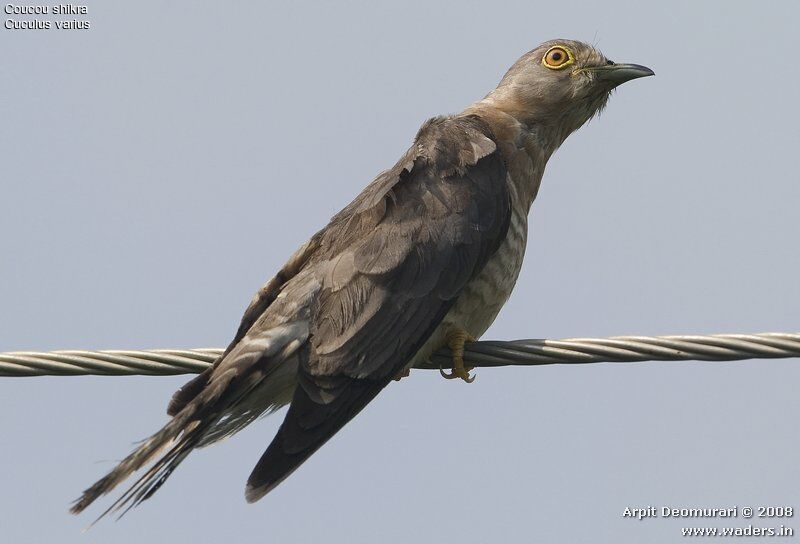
557, 57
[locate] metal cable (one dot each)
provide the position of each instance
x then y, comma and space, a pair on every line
618, 349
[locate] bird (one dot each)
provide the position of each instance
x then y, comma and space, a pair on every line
423, 258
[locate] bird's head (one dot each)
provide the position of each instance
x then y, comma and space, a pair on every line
562, 82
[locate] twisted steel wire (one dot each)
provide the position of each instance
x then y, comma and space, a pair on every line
617, 349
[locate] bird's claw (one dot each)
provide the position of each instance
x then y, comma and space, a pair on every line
456, 339
462, 373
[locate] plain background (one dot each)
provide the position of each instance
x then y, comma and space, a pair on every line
159, 167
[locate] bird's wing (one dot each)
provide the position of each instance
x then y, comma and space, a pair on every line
390, 266
261, 301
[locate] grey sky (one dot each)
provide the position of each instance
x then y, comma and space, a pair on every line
157, 168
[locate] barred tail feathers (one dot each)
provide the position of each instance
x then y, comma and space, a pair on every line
257, 376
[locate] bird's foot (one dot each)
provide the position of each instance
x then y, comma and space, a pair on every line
456, 338
402, 374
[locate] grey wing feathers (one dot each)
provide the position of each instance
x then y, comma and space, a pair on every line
397, 264
261, 301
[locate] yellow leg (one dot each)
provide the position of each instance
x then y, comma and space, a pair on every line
456, 338
402, 374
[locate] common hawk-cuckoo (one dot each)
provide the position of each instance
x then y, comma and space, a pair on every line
424, 257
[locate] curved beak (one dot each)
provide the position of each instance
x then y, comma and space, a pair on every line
617, 74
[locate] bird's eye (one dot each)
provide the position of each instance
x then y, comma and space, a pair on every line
557, 57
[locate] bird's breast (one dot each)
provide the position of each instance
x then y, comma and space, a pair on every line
482, 298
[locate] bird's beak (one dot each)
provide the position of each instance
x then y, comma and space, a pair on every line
617, 74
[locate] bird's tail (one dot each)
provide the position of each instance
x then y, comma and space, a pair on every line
226, 394
178, 437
